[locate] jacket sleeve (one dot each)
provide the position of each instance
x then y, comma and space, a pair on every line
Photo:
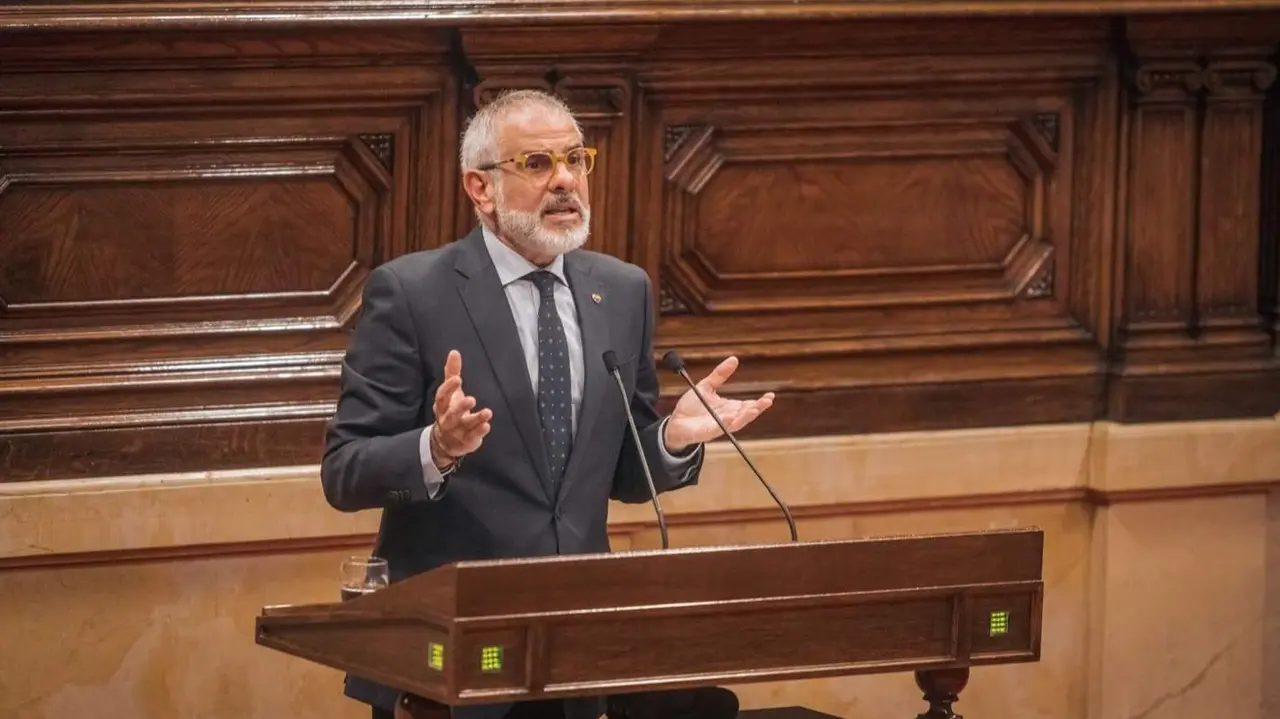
629, 482
372, 458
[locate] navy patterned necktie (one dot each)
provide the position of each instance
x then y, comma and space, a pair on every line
554, 394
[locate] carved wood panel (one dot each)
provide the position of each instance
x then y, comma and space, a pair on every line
179, 276
849, 239
896, 224
864, 215
1193, 322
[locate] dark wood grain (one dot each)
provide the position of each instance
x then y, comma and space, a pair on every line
896, 222
637, 621
204, 14
1195, 336
184, 249
1269, 269
271, 436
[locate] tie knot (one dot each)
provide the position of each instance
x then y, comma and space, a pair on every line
544, 281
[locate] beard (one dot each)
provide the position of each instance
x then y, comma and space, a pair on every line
525, 229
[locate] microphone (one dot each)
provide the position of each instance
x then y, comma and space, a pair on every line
611, 363
675, 364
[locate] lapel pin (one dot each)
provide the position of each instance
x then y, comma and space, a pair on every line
596, 298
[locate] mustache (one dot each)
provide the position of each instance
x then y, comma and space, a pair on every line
566, 201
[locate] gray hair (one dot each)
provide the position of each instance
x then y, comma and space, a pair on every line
480, 140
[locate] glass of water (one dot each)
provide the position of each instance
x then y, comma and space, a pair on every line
363, 575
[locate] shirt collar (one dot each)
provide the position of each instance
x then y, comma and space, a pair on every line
511, 266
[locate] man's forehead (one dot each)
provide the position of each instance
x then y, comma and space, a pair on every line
538, 129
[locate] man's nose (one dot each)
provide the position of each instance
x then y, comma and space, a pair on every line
562, 178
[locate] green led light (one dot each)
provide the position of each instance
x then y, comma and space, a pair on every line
491, 659
998, 625
435, 658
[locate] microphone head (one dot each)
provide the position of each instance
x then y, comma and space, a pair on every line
610, 360
672, 361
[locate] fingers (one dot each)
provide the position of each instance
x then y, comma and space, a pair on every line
472, 420
471, 435
458, 403
459, 428
719, 375
745, 412
453, 364
444, 395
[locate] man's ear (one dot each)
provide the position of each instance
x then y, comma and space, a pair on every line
479, 187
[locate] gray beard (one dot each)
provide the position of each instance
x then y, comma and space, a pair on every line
525, 229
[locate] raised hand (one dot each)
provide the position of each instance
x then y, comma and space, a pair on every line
457, 431
690, 424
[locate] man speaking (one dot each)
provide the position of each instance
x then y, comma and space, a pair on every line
476, 410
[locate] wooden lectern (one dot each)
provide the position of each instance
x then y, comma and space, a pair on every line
509, 630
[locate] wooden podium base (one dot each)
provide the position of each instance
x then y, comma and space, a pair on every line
941, 688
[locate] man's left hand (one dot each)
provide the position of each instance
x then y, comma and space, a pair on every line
690, 423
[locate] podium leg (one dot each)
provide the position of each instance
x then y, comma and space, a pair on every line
415, 707
941, 689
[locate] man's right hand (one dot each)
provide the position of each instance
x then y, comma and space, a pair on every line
458, 431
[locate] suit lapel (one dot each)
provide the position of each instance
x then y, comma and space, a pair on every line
486, 304
592, 304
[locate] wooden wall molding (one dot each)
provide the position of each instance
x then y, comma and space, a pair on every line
206, 14
897, 223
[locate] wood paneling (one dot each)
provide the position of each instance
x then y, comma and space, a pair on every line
882, 235
203, 14
184, 248
897, 223
1194, 334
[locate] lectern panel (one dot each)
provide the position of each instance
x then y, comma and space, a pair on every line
759, 638
640, 621
366, 645
717, 574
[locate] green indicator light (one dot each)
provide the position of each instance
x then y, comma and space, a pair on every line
491, 659
435, 658
998, 625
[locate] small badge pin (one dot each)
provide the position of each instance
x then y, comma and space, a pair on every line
596, 297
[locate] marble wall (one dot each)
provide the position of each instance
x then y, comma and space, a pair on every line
136, 597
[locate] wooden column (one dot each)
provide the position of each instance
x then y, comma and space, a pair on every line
1269, 270
1193, 336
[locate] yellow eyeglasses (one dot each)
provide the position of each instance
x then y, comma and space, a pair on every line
580, 161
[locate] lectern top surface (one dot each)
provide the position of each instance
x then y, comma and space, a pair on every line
725, 574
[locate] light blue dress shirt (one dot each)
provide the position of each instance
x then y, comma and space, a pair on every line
524, 299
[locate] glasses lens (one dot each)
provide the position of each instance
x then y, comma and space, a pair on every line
580, 160
538, 162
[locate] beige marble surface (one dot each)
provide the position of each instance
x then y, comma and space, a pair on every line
46, 518
1179, 614
1154, 607
168, 640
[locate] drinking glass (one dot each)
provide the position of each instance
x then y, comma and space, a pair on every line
363, 575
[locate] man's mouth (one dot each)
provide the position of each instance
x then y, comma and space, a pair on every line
562, 211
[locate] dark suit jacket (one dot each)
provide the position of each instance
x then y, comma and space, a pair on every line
501, 502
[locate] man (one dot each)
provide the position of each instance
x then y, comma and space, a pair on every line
476, 410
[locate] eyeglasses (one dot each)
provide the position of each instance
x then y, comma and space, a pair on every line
580, 161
